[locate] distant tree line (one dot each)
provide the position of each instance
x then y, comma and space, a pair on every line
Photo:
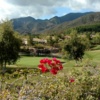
88, 28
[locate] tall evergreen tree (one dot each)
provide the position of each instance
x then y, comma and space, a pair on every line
9, 45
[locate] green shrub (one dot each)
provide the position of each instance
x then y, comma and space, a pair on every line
75, 85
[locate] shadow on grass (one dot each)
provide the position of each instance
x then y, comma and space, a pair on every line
27, 55
11, 70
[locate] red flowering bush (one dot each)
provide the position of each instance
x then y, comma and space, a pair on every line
72, 80
50, 65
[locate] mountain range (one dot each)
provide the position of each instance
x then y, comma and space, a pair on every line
31, 25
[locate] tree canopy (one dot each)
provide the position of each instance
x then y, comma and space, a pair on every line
75, 46
9, 44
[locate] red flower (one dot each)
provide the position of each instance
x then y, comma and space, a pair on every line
49, 62
72, 80
54, 58
56, 61
40, 66
43, 68
44, 60
53, 65
53, 71
60, 67
57, 68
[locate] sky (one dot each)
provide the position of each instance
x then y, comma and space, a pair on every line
45, 9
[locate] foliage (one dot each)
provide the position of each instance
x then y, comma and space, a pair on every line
88, 28
9, 44
74, 85
96, 39
75, 46
50, 40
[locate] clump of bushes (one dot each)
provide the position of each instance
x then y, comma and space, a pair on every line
75, 85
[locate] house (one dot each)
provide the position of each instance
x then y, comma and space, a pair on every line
24, 41
42, 41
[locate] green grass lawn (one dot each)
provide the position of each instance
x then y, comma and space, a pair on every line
90, 57
32, 62
94, 56
97, 47
27, 61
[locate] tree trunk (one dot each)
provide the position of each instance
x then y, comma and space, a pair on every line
4, 67
1, 66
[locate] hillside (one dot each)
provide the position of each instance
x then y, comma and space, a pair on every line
31, 25
89, 19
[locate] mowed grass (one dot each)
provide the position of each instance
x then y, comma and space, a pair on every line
29, 62
89, 57
32, 62
94, 56
97, 47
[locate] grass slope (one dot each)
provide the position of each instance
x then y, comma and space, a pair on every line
94, 56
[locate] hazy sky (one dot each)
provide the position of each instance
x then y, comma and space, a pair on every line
42, 9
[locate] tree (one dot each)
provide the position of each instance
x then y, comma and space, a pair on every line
9, 44
50, 40
96, 38
75, 46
